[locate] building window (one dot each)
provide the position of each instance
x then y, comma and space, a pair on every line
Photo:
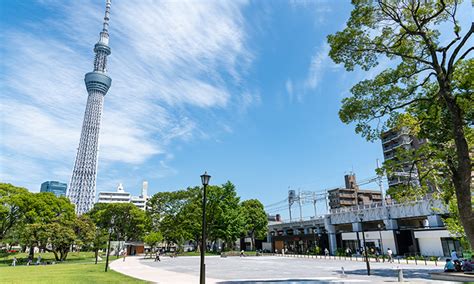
450, 244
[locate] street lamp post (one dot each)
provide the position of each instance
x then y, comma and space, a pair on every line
108, 246
205, 181
381, 241
361, 218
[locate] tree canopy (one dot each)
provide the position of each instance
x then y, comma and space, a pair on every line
177, 215
126, 220
255, 219
429, 90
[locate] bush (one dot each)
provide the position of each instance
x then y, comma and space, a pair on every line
340, 252
317, 250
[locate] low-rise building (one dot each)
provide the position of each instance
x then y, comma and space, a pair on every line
408, 229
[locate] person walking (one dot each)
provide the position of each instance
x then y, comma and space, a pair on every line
389, 254
157, 256
38, 261
348, 252
14, 261
454, 255
326, 252
124, 254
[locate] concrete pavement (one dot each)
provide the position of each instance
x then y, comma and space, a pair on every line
266, 269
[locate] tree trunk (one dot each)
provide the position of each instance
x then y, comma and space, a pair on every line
56, 257
32, 252
462, 171
64, 255
252, 239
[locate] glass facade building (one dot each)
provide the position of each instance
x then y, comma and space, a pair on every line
56, 187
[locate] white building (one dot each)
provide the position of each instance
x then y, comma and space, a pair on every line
121, 196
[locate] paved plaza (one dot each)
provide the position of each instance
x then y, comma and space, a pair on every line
268, 269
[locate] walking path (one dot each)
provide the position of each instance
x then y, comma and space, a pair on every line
134, 266
266, 269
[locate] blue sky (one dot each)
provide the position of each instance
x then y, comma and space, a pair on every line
244, 90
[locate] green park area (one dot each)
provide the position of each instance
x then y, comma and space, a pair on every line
63, 273
80, 267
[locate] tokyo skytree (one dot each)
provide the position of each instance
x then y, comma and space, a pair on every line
83, 181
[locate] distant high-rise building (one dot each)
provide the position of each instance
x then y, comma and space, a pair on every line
121, 196
56, 187
83, 180
393, 140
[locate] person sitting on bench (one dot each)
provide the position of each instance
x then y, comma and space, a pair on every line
449, 266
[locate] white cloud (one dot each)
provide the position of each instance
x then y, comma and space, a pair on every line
320, 9
167, 58
289, 89
318, 65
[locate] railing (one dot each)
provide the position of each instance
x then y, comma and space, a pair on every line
378, 205
420, 260
304, 219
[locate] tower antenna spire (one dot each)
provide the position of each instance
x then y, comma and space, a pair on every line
83, 181
104, 34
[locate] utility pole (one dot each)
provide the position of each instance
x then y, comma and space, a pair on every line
299, 203
291, 199
315, 199
381, 183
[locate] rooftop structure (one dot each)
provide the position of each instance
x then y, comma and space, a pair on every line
121, 196
352, 195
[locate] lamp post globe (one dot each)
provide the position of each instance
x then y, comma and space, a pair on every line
205, 181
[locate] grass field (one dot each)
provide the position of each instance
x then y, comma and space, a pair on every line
63, 273
73, 257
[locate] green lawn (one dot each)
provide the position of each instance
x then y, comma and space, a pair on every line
73, 257
63, 273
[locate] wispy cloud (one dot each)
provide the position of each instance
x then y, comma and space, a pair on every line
167, 59
319, 65
321, 9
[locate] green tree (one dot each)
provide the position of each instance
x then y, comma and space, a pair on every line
56, 237
47, 219
256, 220
224, 217
12, 203
129, 221
431, 85
99, 242
84, 229
168, 212
153, 239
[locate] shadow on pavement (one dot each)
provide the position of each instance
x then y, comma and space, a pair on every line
291, 281
390, 272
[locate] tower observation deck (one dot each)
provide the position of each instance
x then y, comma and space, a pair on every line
82, 187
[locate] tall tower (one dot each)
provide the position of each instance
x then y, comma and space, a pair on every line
83, 181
